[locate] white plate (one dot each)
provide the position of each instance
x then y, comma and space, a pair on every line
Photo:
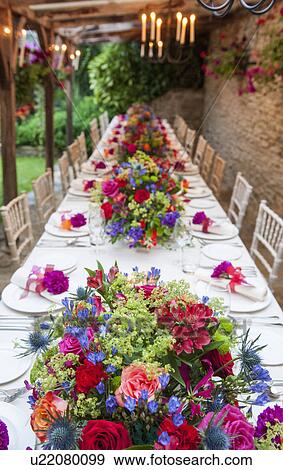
239, 303
12, 367
32, 303
57, 232
221, 252
200, 192
61, 262
271, 336
214, 236
21, 435
202, 204
77, 192
192, 172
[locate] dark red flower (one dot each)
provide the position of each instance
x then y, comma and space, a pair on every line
132, 148
141, 195
147, 289
107, 209
217, 360
184, 437
96, 282
104, 435
88, 376
121, 183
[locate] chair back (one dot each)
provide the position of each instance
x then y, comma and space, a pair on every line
207, 163
189, 141
83, 149
64, 168
103, 122
180, 127
17, 226
200, 149
75, 157
267, 244
239, 201
44, 196
94, 133
217, 174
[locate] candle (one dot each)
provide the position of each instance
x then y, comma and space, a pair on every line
160, 47
77, 60
150, 50
152, 27
22, 47
158, 29
142, 50
192, 28
178, 28
62, 55
183, 32
143, 36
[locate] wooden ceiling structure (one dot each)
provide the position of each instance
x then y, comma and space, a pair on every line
76, 22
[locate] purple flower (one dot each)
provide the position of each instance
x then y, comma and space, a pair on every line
55, 282
221, 269
78, 220
177, 419
271, 416
173, 404
88, 185
100, 165
164, 438
135, 233
4, 436
130, 404
164, 380
170, 218
199, 217
111, 404
152, 407
116, 228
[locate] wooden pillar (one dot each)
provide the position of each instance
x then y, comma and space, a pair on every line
69, 98
49, 125
7, 105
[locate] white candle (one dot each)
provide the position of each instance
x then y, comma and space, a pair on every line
152, 26
150, 49
183, 32
77, 60
143, 36
160, 47
158, 29
62, 55
192, 28
142, 50
178, 28
22, 47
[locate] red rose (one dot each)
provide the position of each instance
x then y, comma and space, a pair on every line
104, 435
121, 183
218, 361
184, 437
132, 148
141, 195
107, 209
88, 376
96, 282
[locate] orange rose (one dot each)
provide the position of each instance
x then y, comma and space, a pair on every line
147, 147
134, 379
45, 412
66, 224
185, 184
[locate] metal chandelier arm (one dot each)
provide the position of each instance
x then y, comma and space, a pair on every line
254, 8
225, 7
215, 8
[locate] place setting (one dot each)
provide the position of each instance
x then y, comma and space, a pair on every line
208, 229
82, 187
68, 225
96, 167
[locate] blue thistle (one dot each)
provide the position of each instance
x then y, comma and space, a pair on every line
216, 439
37, 342
249, 356
82, 293
62, 434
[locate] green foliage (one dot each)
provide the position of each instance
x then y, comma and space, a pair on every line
27, 79
119, 77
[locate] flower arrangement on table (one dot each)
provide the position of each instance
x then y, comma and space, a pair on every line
145, 364
139, 202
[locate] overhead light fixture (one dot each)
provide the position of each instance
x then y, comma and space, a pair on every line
221, 8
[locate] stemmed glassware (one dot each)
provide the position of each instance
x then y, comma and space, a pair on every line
96, 223
189, 252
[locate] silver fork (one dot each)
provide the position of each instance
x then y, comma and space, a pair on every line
10, 395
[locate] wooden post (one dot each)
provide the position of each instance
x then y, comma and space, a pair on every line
69, 98
49, 127
7, 106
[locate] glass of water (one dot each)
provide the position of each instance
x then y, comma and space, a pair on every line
96, 224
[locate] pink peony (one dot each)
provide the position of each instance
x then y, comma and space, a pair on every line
110, 188
134, 379
235, 424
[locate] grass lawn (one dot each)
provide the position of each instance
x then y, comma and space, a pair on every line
28, 168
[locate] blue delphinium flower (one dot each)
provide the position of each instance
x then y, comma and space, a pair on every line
144, 395
96, 357
261, 399
173, 404
116, 228
260, 373
178, 419
259, 387
154, 273
107, 316
31, 401
80, 334
110, 369
164, 438
114, 351
69, 307
205, 299
111, 404
216, 439
62, 434
103, 330
170, 219
45, 326
164, 380
130, 404
152, 406
100, 388
83, 314
66, 386
135, 234
136, 269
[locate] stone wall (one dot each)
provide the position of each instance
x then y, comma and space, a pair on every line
187, 102
247, 130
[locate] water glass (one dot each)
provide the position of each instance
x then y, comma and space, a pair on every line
190, 258
96, 225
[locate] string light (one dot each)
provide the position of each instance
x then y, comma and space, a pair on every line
64, 47
72, 56
7, 30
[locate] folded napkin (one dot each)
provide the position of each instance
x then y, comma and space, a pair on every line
77, 184
89, 167
256, 293
217, 228
56, 220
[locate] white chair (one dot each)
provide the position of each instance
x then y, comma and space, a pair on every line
200, 149
207, 163
217, 174
44, 196
17, 226
189, 141
268, 241
103, 122
75, 157
239, 201
64, 168
83, 149
94, 133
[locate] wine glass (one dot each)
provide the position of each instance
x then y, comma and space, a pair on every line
182, 235
96, 224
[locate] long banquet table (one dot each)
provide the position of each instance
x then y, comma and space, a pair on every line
165, 259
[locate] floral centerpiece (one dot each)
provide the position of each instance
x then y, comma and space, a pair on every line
137, 363
139, 202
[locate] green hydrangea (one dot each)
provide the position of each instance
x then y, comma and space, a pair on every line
86, 408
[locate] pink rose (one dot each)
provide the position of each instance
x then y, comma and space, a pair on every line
70, 344
134, 379
110, 188
132, 148
235, 424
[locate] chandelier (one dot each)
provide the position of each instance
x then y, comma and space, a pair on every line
169, 37
221, 8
